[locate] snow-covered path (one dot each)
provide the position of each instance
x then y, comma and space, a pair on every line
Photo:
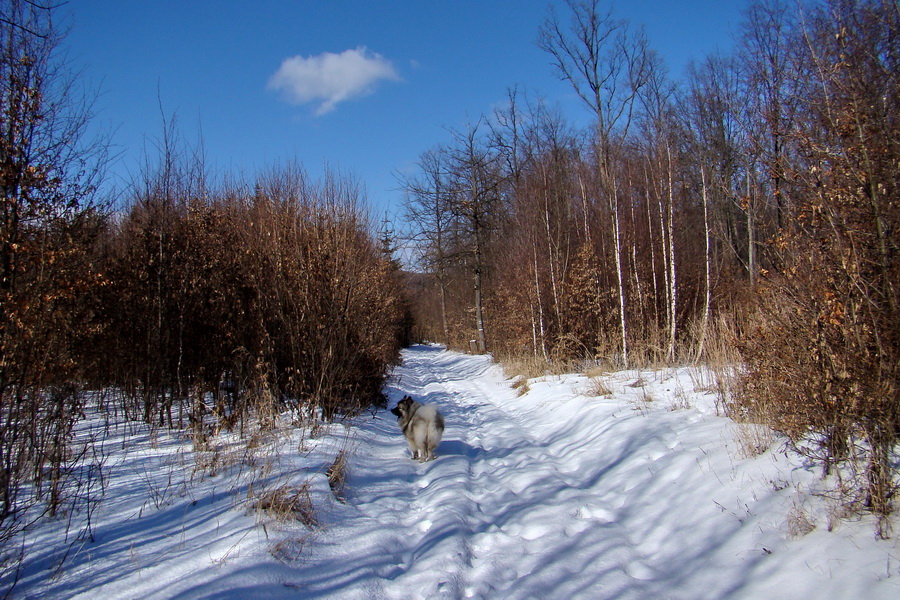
511, 510
639, 492
559, 495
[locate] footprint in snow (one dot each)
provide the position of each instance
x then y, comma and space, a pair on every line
595, 513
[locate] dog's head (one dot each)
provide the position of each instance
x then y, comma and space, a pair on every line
402, 408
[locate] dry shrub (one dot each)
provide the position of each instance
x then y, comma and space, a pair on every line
823, 356
810, 378
247, 300
50, 227
597, 386
520, 384
286, 503
337, 476
798, 522
753, 439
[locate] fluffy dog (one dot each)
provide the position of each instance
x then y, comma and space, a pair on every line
422, 425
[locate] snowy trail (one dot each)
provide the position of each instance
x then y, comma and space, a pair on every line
558, 495
482, 520
637, 493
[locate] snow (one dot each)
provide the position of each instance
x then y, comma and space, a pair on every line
645, 492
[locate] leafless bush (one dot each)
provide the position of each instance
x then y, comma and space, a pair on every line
50, 222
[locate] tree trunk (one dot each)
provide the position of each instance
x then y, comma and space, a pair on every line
708, 297
672, 287
751, 234
479, 314
654, 276
622, 323
540, 305
442, 295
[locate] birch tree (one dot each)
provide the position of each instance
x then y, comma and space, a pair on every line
606, 64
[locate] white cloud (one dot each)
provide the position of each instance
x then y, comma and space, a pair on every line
330, 78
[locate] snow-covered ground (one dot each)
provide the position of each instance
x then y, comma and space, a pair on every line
643, 492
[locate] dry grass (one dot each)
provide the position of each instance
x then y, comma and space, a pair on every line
521, 385
337, 477
289, 551
595, 371
224, 451
647, 397
597, 386
724, 361
681, 399
215, 458
753, 439
287, 503
680, 402
798, 522
532, 367
525, 366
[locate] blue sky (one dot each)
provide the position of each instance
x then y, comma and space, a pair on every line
363, 86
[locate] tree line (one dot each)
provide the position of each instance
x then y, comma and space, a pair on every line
753, 204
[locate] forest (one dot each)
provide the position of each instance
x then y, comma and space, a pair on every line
745, 217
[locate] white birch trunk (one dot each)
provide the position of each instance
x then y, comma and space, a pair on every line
622, 323
708, 299
540, 304
664, 242
751, 234
672, 287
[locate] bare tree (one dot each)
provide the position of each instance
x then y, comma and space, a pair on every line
767, 67
477, 183
428, 210
713, 108
606, 64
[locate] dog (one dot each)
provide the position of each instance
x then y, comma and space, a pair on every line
422, 425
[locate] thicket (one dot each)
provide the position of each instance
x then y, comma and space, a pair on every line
824, 352
257, 297
751, 207
49, 224
196, 306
